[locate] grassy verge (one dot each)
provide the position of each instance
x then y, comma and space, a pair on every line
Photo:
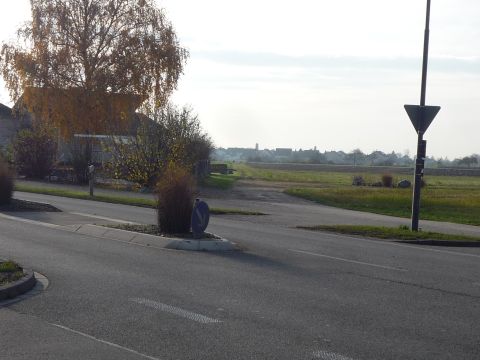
124, 200
400, 233
219, 181
114, 199
10, 272
453, 204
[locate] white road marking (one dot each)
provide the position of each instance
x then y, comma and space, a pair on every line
347, 260
176, 311
325, 355
28, 221
104, 218
105, 342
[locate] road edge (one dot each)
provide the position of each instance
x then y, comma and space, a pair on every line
19, 287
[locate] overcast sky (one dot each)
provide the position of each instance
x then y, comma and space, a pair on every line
331, 74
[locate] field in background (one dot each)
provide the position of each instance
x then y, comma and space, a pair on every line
445, 198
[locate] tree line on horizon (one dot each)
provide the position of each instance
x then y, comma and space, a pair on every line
355, 157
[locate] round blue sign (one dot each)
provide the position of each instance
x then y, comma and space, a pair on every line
200, 217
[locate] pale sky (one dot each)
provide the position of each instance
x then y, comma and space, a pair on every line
328, 73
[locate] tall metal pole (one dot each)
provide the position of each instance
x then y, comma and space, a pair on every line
420, 161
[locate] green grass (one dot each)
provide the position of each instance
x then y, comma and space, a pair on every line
124, 200
452, 204
445, 198
9, 267
244, 171
10, 272
335, 179
219, 181
400, 233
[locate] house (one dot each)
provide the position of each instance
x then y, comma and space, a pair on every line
82, 118
10, 125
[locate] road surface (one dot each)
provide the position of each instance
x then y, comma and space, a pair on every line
291, 294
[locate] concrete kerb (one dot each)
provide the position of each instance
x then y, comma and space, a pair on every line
19, 287
153, 240
446, 243
201, 245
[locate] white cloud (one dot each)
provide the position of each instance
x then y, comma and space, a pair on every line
331, 74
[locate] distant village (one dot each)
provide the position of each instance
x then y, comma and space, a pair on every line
315, 156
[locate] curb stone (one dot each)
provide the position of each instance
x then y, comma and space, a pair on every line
18, 287
153, 240
441, 243
201, 245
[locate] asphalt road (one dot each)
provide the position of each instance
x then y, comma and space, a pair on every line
291, 294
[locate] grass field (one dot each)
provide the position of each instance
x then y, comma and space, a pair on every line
445, 198
219, 181
244, 171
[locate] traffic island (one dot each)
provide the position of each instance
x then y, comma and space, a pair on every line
186, 241
14, 280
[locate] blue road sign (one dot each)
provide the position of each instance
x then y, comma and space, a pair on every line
200, 217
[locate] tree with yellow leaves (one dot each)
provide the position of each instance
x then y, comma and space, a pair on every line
84, 66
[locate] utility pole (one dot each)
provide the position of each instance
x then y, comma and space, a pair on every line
421, 117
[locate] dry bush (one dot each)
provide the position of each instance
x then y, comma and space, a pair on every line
6, 184
175, 195
358, 180
34, 152
387, 180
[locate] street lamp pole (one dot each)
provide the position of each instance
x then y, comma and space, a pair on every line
425, 55
420, 162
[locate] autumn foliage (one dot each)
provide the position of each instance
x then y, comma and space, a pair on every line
86, 65
168, 135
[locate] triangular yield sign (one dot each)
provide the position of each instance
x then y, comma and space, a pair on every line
421, 116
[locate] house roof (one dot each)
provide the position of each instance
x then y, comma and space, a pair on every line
5, 111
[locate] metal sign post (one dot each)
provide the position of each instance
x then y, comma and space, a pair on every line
91, 178
421, 117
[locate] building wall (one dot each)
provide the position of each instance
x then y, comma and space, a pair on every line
8, 126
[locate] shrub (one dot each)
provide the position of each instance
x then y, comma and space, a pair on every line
6, 154
6, 184
175, 195
387, 180
358, 180
163, 135
34, 152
